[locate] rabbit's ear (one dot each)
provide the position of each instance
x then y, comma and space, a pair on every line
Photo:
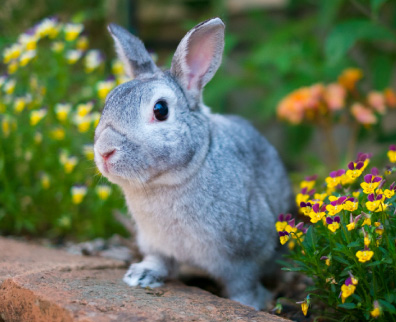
131, 51
198, 55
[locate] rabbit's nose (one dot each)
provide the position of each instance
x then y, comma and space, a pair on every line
108, 154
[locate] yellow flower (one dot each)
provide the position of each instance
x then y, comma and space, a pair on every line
320, 196
69, 164
73, 55
95, 117
284, 239
389, 193
376, 312
103, 191
78, 193
328, 262
351, 205
333, 182
364, 256
316, 216
301, 198
304, 307
9, 86
84, 109
6, 126
307, 184
369, 188
392, 155
351, 226
367, 221
26, 57
11, 53
83, 123
346, 179
333, 210
72, 31
82, 43
93, 59
62, 110
12, 67
356, 194
19, 104
58, 134
37, 116
353, 174
380, 228
58, 46
104, 88
347, 291
47, 27
117, 67
28, 41
349, 77
291, 244
45, 181
280, 225
89, 151
367, 241
334, 226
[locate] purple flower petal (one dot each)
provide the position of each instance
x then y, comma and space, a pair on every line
329, 220
323, 208
334, 203
337, 219
316, 207
340, 172
370, 197
341, 200
379, 197
375, 171
351, 165
292, 222
333, 174
311, 192
311, 178
377, 179
392, 147
357, 218
304, 190
350, 199
288, 217
300, 225
359, 165
368, 178
348, 281
281, 217
303, 204
392, 186
323, 258
381, 184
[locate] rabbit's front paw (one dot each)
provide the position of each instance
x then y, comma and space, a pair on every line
141, 275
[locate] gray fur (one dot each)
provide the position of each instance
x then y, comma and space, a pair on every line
203, 188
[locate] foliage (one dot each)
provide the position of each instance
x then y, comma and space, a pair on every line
49, 103
349, 250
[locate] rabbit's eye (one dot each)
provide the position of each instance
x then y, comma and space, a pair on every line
161, 110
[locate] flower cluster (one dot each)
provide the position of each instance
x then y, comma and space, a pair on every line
50, 97
353, 229
321, 101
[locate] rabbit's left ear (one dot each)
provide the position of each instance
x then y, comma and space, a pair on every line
131, 51
198, 56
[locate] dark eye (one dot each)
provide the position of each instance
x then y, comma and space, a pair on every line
161, 110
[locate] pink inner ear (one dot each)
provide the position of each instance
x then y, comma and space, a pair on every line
201, 49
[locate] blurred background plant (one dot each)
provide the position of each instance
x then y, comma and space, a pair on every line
277, 53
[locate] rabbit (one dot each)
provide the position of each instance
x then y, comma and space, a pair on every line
203, 189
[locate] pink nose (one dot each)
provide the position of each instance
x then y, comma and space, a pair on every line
107, 155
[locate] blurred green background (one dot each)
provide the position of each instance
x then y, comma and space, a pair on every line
272, 48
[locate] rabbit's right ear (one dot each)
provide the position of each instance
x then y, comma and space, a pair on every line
198, 56
131, 51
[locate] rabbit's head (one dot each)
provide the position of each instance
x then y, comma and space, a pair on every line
154, 128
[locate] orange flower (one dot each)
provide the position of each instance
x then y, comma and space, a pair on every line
377, 101
349, 77
363, 114
334, 96
390, 97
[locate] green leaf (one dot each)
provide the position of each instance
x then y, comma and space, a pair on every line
376, 5
292, 269
311, 288
344, 36
389, 297
376, 263
353, 244
387, 306
348, 306
341, 260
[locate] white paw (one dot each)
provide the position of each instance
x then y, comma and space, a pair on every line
140, 275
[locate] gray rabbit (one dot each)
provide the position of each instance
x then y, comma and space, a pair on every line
204, 189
